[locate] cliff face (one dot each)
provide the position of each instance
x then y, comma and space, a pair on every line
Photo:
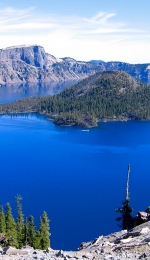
139, 71
21, 64
26, 64
32, 55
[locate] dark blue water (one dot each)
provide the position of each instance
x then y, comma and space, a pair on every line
78, 177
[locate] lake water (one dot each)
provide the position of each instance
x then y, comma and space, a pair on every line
78, 177
10, 93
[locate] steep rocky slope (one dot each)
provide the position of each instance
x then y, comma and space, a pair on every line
117, 246
23, 64
139, 71
32, 64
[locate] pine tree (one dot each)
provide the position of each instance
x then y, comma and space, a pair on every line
20, 222
11, 233
31, 233
43, 240
2, 221
126, 217
126, 211
26, 231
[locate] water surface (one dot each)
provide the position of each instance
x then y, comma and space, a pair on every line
77, 176
9, 93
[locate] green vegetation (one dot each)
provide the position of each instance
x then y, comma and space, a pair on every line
23, 231
11, 231
2, 221
43, 233
126, 219
30, 232
20, 222
107, 95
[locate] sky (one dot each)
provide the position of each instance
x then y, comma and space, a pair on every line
107, 30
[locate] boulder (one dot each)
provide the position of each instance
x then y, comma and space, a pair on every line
13, 251
1, 250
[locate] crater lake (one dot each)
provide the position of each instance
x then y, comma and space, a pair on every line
77, 176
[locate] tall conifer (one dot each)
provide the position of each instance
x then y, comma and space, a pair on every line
11, 233
20, 222
2, 221
126, 211
31, 233
43, 241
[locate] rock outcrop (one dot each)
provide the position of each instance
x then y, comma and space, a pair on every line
117, 246
139, 71
23, 64
32, 55
142, 217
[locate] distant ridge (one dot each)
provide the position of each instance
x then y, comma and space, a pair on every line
30, 63
96, 61
20, 46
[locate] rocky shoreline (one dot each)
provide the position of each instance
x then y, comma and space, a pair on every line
116, 246
52, 119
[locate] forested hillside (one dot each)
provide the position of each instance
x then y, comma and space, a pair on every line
107, 95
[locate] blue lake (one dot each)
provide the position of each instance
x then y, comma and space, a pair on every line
78, 177
9, 93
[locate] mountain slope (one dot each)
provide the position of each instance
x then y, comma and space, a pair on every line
119, 245
106, 95
23, 64
139, 71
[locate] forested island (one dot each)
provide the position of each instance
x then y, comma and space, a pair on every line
106, 95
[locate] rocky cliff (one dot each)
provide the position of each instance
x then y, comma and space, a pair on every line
23, 64
139, 71
117, 246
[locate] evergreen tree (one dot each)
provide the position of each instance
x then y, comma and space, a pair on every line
126, 218
21, 232
11, 233
43, 240
20, 222
26, 231
2, 221
126, 211
31, 233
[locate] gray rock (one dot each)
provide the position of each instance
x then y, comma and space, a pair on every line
60, 253
24, 64
142, 256
13, 251
120, 245
32, 55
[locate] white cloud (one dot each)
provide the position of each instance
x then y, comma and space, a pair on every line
98, 37
27, 26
